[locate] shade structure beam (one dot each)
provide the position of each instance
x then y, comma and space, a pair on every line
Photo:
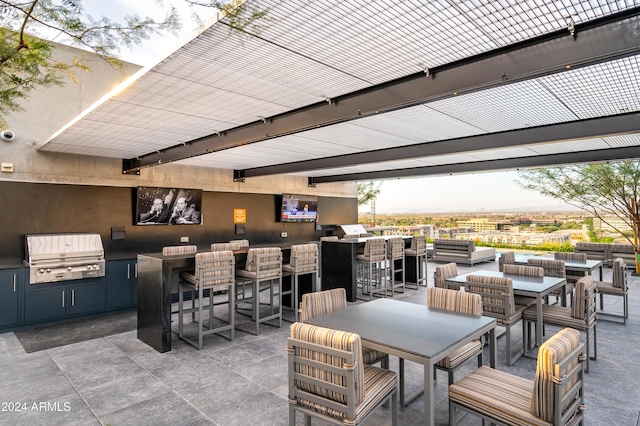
594, 42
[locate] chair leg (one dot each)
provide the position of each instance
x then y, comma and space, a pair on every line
394, 408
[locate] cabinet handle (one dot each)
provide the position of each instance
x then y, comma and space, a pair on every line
63, 298
128, 268
14, 283
135, 274
73, 297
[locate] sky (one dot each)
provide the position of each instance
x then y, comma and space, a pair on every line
488, 191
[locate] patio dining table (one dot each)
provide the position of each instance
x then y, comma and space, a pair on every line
413, 332
537, 287
589, 265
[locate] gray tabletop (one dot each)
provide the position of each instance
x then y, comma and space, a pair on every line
406, 327
521, 283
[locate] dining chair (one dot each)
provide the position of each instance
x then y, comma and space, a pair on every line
572, 276
303, 261
263, 270
395, 255
461, 302
328, 379
506, 258
371, 265
224, 246
616, 287
418, 250
525, 271
555, 268
581, 315
498, 302
442, 272
334, 300
554, 397
214, 271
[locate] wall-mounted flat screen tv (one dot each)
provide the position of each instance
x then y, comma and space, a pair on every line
299, 208
168, 206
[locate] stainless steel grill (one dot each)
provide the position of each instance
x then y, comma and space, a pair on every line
62, 257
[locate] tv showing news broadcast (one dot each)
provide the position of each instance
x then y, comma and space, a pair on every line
299, 208
168, 206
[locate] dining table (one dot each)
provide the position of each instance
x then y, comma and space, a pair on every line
523, 285
412, 332
587, 266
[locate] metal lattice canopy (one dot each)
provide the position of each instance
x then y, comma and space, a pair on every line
342, 90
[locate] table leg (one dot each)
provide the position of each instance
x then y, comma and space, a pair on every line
429, 409
539, 322
493, 344
600, 272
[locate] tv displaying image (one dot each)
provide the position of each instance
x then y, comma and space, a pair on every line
168, 206
299, 208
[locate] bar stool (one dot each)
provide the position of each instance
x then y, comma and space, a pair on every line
264, 266
304, 260
214, 271
395, 253
178, 251
419, 251
372, 260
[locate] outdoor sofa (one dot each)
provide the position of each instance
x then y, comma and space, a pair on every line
461, 251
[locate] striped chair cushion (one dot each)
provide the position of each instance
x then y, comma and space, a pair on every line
554, 314
456, 301
241, 243
619, 274
443, 272
375, 250
583, 286
266, 271
349, 342
528, 271
550, 353
575, 257
175, 250
552, 267
307, 259
329, 238
351, 236
501, 395
504, 286
212, 269
395, 248
621, 247
461, 355
221, 246
327, 301
418, 246
592, 246
508, 258
322, 303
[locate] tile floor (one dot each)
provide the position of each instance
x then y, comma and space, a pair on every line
119, 380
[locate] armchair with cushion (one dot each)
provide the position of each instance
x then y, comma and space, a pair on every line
328, 379
555, 268
506, 258
443, 272
418, 250
328, 301
498, 302
581, 315
572, 276
462, 302
555, 397
617, 287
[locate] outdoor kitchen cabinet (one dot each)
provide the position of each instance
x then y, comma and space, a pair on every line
56, 301
10, 283
122, 276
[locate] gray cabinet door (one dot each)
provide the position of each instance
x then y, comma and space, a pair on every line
9, 297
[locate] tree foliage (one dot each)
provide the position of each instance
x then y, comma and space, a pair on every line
606, 190
26, 60
368, 192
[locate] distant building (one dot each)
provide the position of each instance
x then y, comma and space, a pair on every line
619, 224
485, 224
428, 231
528, 238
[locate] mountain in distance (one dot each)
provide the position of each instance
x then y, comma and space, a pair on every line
434, 209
